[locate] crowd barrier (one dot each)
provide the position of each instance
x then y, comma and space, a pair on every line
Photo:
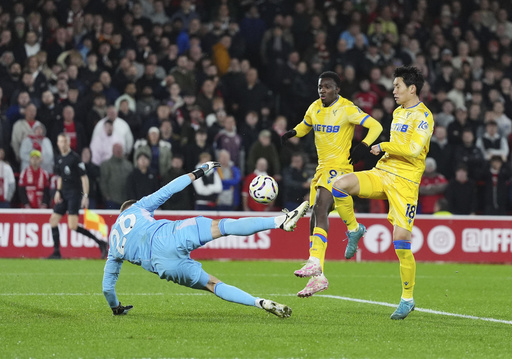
474, 239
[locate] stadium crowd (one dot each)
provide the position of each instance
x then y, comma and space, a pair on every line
147, 89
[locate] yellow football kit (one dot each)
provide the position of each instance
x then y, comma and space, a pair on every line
398, 173
334, 130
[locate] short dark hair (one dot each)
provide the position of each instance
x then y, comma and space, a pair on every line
411, 76
331, 75
127, 204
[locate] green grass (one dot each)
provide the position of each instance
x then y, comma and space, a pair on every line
56, 309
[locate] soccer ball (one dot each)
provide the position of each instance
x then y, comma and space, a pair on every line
263, 189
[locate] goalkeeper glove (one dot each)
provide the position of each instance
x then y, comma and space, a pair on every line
205, 168
358, 153
121, 310
287, 135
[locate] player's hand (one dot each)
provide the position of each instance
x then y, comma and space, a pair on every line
375, 150
288, 135
57, 198
358, 153
85, 202
209, 166
121, 310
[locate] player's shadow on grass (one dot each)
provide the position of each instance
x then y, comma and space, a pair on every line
41, 312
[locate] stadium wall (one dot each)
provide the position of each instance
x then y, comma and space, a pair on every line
476, 239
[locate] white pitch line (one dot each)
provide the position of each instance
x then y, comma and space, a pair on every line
364, 301
430, 311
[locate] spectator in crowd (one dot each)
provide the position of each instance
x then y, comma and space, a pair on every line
182, 200
96, 113
207, 187
254, 96
37, 140
7, 182
247, 202
496, 187
249, 130
442, 151
264, 148
48, 113
34, 184
491, 143
432, 187
296, 182
193, 150
503, 120
120, 129
22, 128
469, 154
229, 198
132, 119
142, 181
72, 128
159, 151
461, 192
93, 174
445, 117
113, 174
102, 143
456, 127
228, 139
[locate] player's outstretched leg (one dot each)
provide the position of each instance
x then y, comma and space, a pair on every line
236, 295
315, 284
251, 225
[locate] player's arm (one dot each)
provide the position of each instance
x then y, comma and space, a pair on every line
156, 199
374, 130
58, 193
110, 276
419, 139
302, 129
85, 191
358, 117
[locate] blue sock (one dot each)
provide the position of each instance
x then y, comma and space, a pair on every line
233, 294
245, 226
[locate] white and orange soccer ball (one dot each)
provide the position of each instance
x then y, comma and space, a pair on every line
263, 189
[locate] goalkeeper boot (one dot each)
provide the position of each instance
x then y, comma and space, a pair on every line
280, 310
315, 284
293, 217
403, 310
353, 240
310, 269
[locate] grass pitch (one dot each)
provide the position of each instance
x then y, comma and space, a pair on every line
56, 309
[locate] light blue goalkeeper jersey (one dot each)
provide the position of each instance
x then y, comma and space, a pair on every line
131, 235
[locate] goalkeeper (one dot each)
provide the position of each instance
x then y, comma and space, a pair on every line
333, 119
163, 247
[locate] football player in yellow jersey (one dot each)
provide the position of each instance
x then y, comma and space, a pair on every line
397, 175
333, 119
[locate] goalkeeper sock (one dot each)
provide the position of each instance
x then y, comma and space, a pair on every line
318, 245
56, 239
247, 226
344, 205
233, 294
86, 232
407, 267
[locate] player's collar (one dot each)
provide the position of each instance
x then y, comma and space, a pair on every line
337, 98
411, 106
